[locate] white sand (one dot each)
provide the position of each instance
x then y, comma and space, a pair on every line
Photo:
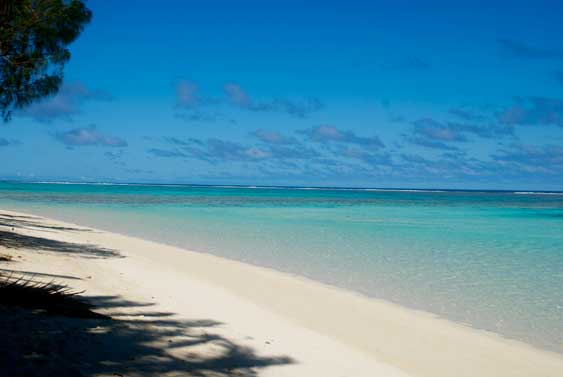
326, 331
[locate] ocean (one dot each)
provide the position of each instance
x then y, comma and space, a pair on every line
492, 260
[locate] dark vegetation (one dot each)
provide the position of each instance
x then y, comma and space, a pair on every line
34, 39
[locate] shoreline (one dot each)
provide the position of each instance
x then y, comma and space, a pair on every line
393, 339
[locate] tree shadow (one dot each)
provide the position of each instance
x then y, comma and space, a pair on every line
32, 274
107, 335
6, 258
14, 240
19, 290
135, 342
32, 222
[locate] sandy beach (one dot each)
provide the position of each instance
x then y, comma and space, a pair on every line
189, 313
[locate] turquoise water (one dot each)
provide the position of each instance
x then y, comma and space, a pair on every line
493, 260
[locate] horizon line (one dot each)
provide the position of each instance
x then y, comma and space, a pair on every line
225, 185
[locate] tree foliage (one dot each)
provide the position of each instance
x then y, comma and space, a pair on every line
34, 39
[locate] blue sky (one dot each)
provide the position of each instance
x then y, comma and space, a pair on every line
324, 93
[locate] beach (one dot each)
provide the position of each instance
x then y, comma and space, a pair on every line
281, 189
287, 325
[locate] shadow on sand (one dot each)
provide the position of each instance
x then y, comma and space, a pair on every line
15, 241
134, 342
12, 240
32, 222
46, 334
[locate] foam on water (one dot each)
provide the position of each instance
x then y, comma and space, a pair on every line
493, 260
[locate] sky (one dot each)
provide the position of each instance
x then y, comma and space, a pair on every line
425, 94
